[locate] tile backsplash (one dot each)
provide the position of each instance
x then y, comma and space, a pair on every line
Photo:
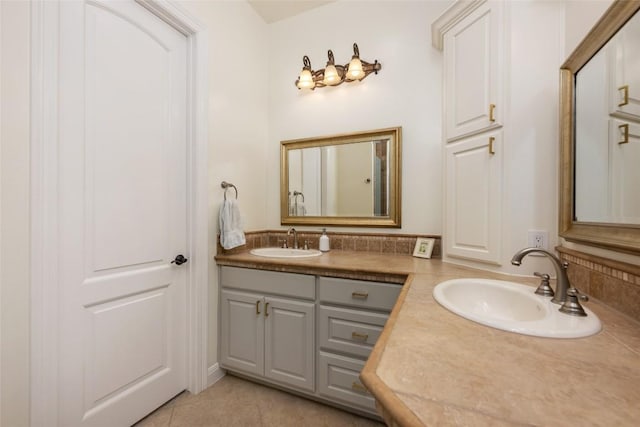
614, 283
364, 242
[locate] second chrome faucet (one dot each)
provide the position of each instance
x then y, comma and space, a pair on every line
295, 237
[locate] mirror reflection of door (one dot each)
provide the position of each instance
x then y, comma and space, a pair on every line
340, 180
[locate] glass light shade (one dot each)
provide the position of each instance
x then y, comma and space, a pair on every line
355, 71
331, 76
305, 81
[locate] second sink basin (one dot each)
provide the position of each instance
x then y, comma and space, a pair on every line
285, 252
512, 307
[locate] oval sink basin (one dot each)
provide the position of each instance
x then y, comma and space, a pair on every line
512, 307
285, 252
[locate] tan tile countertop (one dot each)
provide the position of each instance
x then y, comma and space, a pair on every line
431, 367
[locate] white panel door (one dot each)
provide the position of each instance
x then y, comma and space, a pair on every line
473, 198
472, 69
122, 212
289, 342
242, 331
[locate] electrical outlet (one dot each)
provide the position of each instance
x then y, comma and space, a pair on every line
538, 239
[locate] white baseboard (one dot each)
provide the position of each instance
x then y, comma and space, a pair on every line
215, 374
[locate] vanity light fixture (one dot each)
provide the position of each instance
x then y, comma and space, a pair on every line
333, 74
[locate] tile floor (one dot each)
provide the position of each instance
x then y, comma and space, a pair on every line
236, 402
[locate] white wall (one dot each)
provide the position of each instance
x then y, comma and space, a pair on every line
406, 92
580, 17
238, 121
531, 137
14, 191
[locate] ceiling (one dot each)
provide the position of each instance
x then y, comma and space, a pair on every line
272, 11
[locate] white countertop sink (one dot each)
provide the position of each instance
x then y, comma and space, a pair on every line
512, 307
285, 252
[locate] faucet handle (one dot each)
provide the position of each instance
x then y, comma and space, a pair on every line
306, 245
284, 243
572, 304
544, 289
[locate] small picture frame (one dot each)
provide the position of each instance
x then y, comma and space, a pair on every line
424, 247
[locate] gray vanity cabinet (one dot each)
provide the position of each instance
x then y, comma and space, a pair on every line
268, 331
266, 335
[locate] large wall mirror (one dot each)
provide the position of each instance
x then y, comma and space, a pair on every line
348, 180
600, 139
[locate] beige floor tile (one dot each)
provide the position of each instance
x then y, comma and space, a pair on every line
159, 418
235, 402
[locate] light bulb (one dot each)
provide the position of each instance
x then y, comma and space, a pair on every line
305, 81
331, 76
355, 71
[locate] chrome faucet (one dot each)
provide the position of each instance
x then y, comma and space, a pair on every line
295, 237
562, 281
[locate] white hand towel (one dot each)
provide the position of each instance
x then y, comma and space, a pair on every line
300, 209
231, 234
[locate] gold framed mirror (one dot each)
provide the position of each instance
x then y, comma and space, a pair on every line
343, 180
599, 197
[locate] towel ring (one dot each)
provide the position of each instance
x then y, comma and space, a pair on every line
298, 193
226, 185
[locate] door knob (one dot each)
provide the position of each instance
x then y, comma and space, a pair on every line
180, 259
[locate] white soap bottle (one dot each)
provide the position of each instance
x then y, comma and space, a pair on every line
324, 241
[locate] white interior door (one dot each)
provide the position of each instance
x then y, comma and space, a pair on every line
122, 212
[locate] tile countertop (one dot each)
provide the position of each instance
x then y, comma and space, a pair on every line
432, 367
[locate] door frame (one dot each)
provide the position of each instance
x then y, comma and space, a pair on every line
44, 280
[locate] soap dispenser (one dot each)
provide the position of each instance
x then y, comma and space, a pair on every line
324, 241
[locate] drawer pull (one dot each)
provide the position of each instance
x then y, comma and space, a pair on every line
359, 387
359, 336
266, 310
359, 295
258, 307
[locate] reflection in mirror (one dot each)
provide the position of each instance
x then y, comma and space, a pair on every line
600, 134
342, 180
607, 131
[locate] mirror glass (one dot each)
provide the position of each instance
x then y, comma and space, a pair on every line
350, 179
600, 134
607, 131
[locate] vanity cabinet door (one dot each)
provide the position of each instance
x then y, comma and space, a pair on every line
242, 331
289, 342
473, 198
473, 72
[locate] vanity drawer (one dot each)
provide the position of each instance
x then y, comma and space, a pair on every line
350, 331
273, 282
339, 379
358, 293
